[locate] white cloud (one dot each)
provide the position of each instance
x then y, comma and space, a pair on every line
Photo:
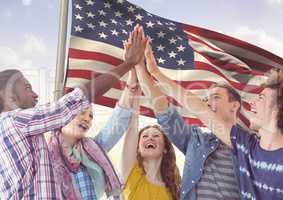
260, 38
33, 44
275, 2
9, 58
26, 2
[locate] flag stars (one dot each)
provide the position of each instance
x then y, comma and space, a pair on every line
118, 14
181, 48
131, 9
172, 28
90, 15
139, 17
161, 34
90, 25
172, 54
160, 60
78, 29
113, 21
181, 62
78, 17
101, 12
103, 35
103, 24
89, 2
150, 39
77, 6
159, 23
129, 22
149, 24
114, 32
160, 48
107, 5
124, 31
172, 40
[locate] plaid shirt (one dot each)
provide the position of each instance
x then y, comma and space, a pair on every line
84, 183
25, 166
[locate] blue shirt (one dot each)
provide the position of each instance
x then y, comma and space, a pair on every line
194, 143
261, 171
106, 138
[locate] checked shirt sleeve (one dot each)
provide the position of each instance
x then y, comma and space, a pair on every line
44, 118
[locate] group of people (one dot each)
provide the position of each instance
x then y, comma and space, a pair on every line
228, 163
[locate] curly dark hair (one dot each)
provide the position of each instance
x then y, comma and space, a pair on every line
5, 77
275, 82
169, 170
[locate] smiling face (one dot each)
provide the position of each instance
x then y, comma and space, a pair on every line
221, 103
25, 97
78, 127
151, 143
263, 108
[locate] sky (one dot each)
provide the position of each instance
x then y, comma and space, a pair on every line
29, 31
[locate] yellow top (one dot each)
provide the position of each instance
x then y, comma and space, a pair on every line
139, 188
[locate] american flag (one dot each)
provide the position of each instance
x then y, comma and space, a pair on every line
192, 56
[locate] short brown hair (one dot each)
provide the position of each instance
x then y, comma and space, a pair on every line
275, 82
232, 93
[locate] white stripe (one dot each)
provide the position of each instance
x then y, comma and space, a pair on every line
91, 45
256, 80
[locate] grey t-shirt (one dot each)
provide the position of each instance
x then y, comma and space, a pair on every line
218, 181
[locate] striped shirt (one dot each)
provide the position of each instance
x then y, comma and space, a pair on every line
218, 180
25, 166
261, 171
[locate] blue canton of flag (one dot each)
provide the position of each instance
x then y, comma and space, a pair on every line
112, 21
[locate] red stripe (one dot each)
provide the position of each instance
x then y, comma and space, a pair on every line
251, 63
193, 38
198, 65
89, 75
232, 41
256, 65
231, 67
191, 85
244, 120
239, 86
91, 55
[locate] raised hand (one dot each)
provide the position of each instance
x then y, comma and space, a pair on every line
150, 59
135, 46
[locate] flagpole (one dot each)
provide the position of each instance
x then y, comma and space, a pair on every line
61, 49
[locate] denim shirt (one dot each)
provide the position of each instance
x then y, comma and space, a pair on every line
195, 144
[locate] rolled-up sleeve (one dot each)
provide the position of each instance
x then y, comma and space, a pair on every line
48, 117
114, 128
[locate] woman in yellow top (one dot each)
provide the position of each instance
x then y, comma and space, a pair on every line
148, 161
